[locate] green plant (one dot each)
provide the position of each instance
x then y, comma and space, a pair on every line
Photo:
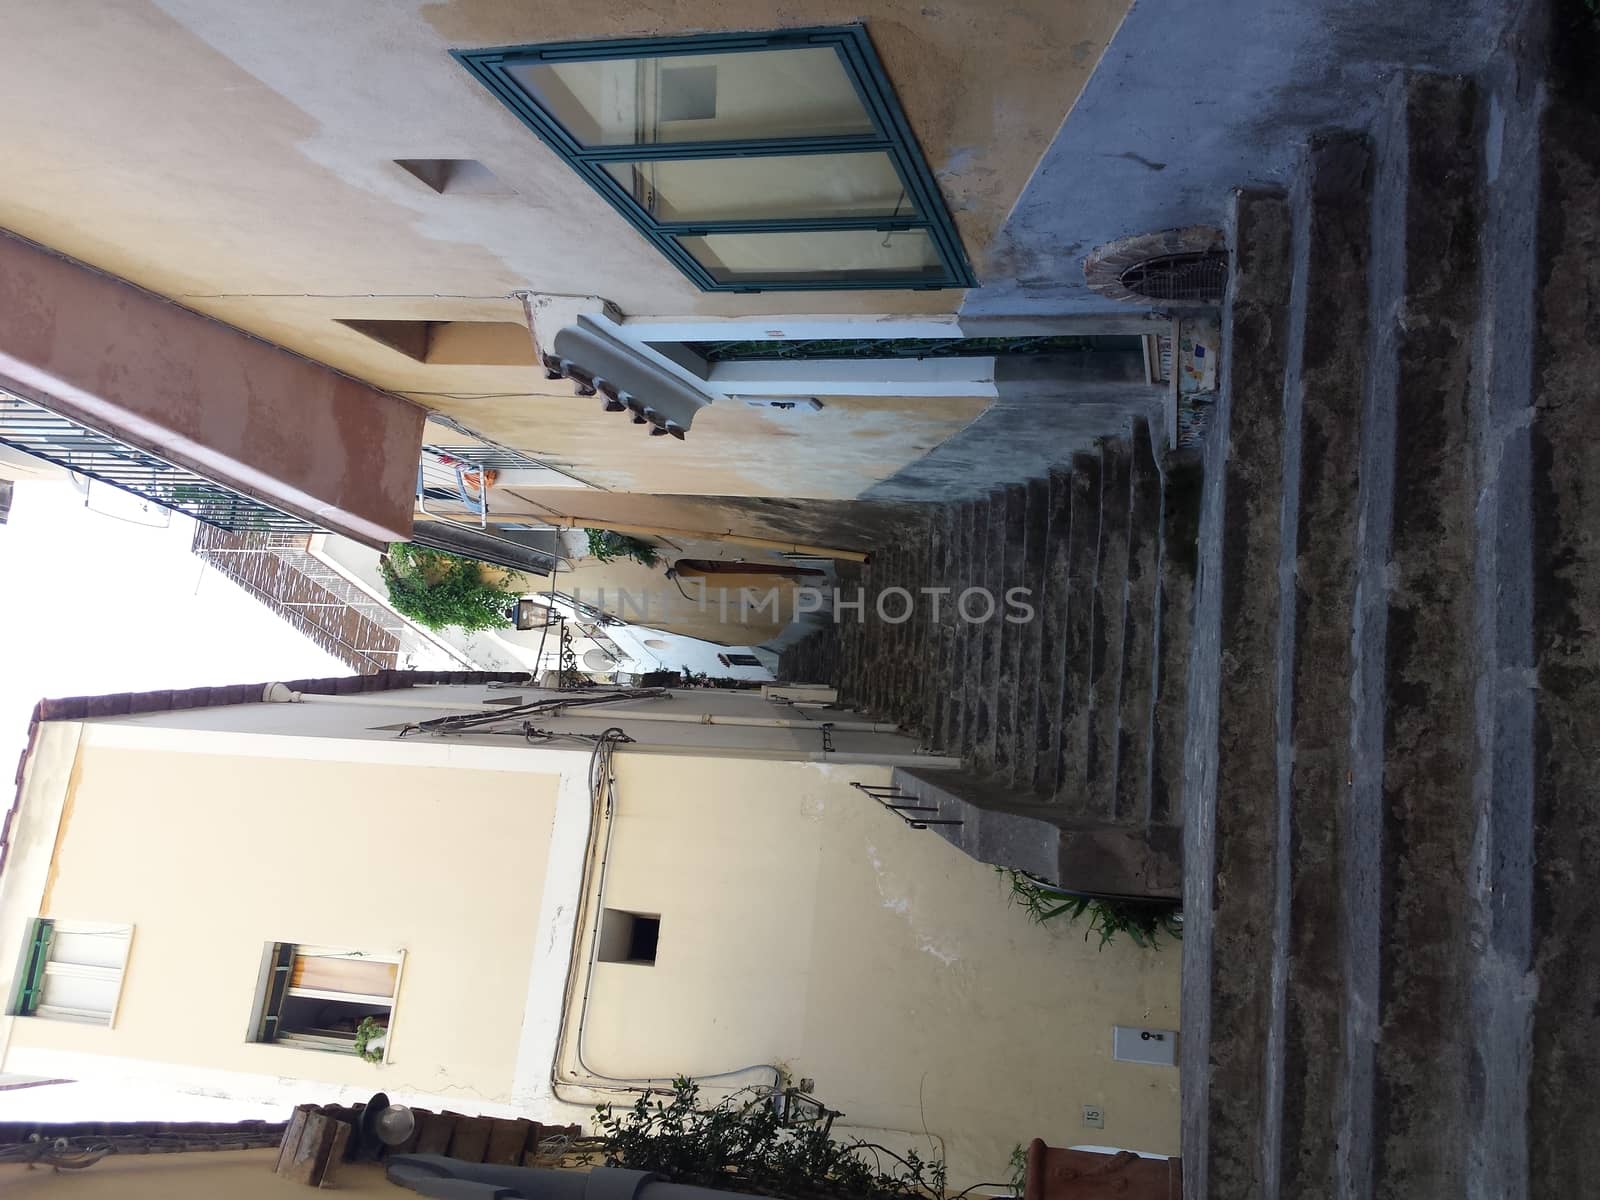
438, 590
1018, 1162
746, 1147
369, 1031
606, 545
1144, 921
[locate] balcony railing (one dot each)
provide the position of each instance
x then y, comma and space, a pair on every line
37, 431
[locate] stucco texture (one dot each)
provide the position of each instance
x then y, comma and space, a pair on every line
803, 925
237, 1174
210, 856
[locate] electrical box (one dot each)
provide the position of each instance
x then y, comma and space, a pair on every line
1155, 1047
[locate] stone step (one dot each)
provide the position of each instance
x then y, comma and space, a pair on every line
1024, 752
984, 682
1134, 743
1323, 390
1178, 557
1069, 753
964, 701
1110, 598
1556, 912
1053, 631
1010, 684
936, 661
1230, 802
1026, 833
1413, 812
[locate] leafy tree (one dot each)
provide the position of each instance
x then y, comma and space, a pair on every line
437, 589
743, 1145
606, 545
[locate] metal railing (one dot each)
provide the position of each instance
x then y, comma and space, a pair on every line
401, 643
43, 434
900, 803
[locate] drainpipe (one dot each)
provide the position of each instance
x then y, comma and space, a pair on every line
760, 722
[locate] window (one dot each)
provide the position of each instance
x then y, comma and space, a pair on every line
754, 162
72, 971
629, 937
316, 997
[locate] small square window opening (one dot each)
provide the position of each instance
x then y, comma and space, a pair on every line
629, 937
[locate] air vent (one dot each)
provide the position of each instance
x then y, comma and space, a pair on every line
1195, 278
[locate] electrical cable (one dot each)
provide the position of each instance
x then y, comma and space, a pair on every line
602, 799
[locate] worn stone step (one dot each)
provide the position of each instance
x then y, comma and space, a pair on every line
1053, 632
1010, 683
985, 689
936, 663
1137, 693
1027, 833
963, 701
1182, 477
1105, 637
1413, 775
1323, 390
1560, 911
1230, 804
956, 663
1031, 683
1071, 744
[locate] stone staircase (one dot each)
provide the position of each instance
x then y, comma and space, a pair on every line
1052, 664
1354, 664
1392, 817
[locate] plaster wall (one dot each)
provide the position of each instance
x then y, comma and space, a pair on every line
241, 160
211, 855
803, 925
237, 1174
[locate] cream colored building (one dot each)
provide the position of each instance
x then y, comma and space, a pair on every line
732, 906
314, 225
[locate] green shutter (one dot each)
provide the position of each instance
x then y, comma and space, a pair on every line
279, 968
31, 978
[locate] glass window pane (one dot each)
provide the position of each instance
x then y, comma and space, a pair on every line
838, 255
748, 189
753, 94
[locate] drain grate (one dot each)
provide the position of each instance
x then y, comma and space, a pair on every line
1196, 278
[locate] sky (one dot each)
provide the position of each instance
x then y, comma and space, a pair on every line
92, 600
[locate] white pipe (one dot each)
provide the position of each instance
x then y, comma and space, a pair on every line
761, 722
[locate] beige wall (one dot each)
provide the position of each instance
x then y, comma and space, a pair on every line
235, 1174
801, 924
209, 856
241, 160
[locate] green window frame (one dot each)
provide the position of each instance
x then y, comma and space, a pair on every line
30, 978
924, 227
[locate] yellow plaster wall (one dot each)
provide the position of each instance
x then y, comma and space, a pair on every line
236, 1174
802, 924
208, 857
